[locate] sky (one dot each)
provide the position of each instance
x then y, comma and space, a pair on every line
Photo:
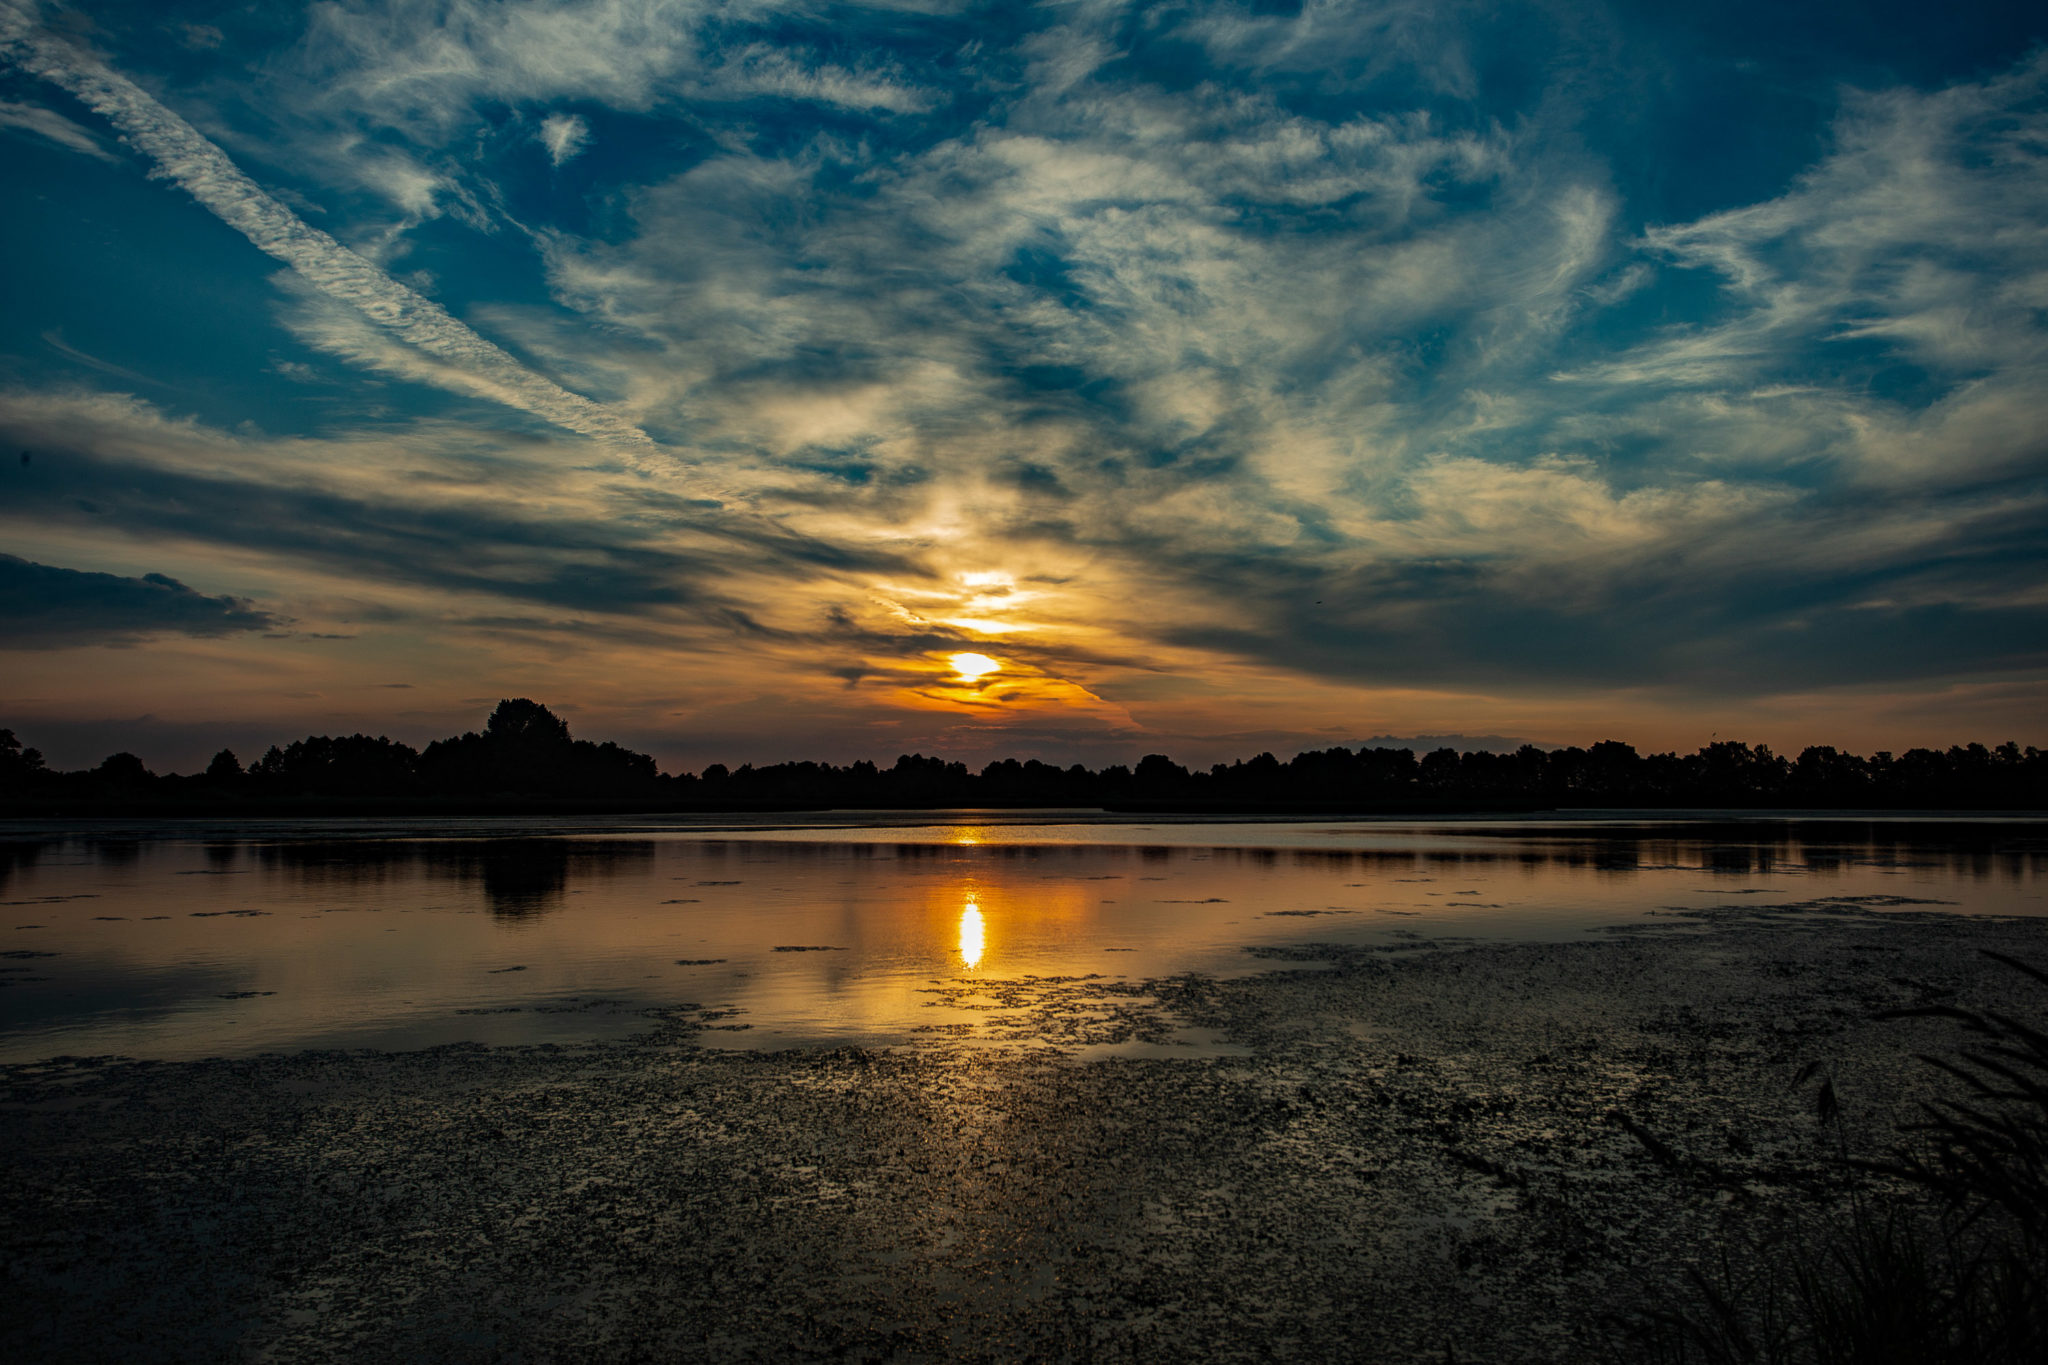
755, 381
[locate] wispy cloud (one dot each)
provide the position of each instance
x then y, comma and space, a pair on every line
564, 135
48, 124
54, 339
759, 69
181, 154
423, 64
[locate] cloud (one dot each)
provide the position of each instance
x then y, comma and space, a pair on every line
50, 125
45, 607
185, 157
438, 508
423, 63
1915, 249
760, 69
564, 135
1239, 349
199, 37
1257, 353
54, 339
425, 67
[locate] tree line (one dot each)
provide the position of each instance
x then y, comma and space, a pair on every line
526, 754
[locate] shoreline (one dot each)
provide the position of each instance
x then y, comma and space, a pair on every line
1933, 825
64, 812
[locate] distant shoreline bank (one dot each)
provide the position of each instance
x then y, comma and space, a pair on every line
1901, 821
525, 761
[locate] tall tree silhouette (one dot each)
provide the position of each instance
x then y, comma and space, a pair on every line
521, 721
526, 750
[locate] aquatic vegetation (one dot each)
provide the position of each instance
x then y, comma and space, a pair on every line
1988, 1152
1941, 1254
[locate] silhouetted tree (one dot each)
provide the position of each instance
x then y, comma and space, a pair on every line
122, 771
1439, 770
526, 723
1159, 776
526, 750
18, 766
339, 765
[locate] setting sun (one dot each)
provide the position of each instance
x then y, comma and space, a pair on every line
972, 666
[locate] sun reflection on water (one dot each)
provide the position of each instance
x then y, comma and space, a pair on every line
972, 935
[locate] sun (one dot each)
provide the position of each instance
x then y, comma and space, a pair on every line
972, 666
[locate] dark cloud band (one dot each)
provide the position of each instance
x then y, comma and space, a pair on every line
46, 607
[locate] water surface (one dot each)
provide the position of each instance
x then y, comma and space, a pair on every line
178, 941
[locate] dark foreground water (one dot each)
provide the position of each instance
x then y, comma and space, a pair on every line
178, 942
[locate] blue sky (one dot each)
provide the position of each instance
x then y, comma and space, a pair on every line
1233, 375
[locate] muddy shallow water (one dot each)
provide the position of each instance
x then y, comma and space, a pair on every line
1384, 1147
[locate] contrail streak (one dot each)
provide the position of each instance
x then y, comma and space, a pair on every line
183, 155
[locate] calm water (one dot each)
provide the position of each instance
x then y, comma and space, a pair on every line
179, 942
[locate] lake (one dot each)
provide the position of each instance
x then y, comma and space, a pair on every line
177, 941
